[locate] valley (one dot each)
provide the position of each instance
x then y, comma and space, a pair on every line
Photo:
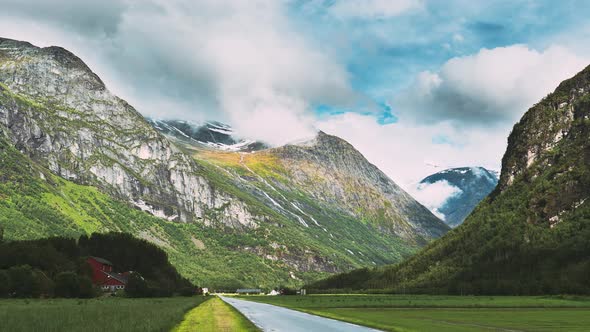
294, 166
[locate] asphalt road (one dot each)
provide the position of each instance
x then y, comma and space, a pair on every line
277, 319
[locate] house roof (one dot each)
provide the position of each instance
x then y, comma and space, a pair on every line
101, 260
117, 276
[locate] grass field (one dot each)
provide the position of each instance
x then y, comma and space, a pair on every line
104, 314
446, 313
215, 315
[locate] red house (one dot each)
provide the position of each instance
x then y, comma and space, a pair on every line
103, 275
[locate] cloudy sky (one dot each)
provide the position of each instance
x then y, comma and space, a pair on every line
415, 85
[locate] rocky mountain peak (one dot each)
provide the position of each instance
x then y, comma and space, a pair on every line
46, 71
543, 126
334, 171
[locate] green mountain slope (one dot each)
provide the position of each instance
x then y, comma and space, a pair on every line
88, 162
530, 236
34, 203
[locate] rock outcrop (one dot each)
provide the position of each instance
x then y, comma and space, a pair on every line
61, 114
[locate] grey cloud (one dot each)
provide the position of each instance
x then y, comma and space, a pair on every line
241, 61
493, 87
89, 17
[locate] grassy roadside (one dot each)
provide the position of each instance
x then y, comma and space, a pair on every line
215, 315
445, 313
102, 314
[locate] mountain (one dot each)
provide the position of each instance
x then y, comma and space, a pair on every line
530, 236
454, 193
77, 159
214, 134
325, 178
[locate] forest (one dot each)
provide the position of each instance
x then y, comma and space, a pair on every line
57, 267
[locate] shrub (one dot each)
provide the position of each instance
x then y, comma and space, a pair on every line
67, 284
4, 283
23, 282
137, 286
86, 288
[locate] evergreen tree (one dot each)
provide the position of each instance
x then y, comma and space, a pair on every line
67, 284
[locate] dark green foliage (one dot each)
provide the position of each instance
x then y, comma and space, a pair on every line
23, 281
67, 285
137, 286
5, 284
287, 291
131, 254
87, 290
57, 266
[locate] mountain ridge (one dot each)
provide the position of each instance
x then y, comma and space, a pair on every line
100, 166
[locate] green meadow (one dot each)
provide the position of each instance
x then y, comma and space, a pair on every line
102, 314
446, 313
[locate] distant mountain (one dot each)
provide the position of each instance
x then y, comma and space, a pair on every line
530, 235
453, 193
76, 159
213, 134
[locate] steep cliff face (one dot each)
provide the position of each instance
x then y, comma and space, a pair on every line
60, 113
530, 236
550, 143
545, 125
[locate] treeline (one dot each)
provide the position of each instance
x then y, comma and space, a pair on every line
57, 267
502, 256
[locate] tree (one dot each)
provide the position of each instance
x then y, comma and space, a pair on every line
4, 283
67, 284
137, 286
86, 287
23, 282
46, 285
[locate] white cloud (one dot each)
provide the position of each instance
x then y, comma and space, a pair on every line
238, 61
493, 86
435, 195
374, 9
406, 152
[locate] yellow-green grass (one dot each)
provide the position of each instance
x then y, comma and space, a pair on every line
262, 162
446, 313
102, 314
215, 315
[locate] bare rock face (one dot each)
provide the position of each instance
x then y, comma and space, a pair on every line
60, 113
543, 127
